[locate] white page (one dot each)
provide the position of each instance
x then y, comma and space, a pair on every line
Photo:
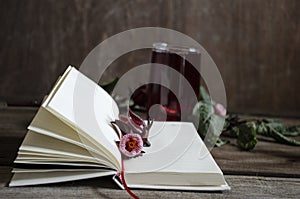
83, 104
25, 154
46, 144
169, 141
46, 123
53, 159
78, 164
22, 179
41, 144
20, 170
177, 156
57, 85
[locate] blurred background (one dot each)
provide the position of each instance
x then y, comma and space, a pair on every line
255, 44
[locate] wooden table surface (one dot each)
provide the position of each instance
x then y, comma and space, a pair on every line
272, 170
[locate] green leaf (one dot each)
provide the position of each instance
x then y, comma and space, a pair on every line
275, 124
204, 111
221, 142
262, 129
246, 139
204, 95
281, 138
214, 128
210, 125
234, 132
109, 86
291, 131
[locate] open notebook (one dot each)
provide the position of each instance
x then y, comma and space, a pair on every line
71, 138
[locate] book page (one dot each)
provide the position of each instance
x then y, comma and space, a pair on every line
177, 156
46, 123
85, 106
169, 141
57, 151
33, 178
57, 85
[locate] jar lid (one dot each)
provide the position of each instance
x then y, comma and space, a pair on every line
163, 47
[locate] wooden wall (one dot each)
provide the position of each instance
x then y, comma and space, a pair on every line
255, 44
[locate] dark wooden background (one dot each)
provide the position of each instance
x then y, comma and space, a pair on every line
255, 44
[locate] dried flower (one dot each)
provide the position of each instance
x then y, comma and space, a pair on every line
220, 110
131, 145
132, 123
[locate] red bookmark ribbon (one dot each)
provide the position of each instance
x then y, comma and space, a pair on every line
124, 183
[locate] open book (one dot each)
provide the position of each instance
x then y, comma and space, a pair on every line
71, 138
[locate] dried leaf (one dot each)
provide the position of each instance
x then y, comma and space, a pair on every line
135, 119
124, 127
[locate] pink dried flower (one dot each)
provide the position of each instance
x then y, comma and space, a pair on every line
131, 144
220, 110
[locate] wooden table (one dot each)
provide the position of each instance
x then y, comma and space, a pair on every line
272, 170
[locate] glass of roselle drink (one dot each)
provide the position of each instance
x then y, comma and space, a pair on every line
184, 60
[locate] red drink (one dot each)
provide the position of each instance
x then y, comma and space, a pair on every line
183, 60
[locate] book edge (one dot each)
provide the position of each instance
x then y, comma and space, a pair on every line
224, 187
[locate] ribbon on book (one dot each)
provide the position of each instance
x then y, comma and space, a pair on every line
133, 133
124, 182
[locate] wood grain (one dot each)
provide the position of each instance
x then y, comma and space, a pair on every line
13, 128
242, 187
255, 44
267, 159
